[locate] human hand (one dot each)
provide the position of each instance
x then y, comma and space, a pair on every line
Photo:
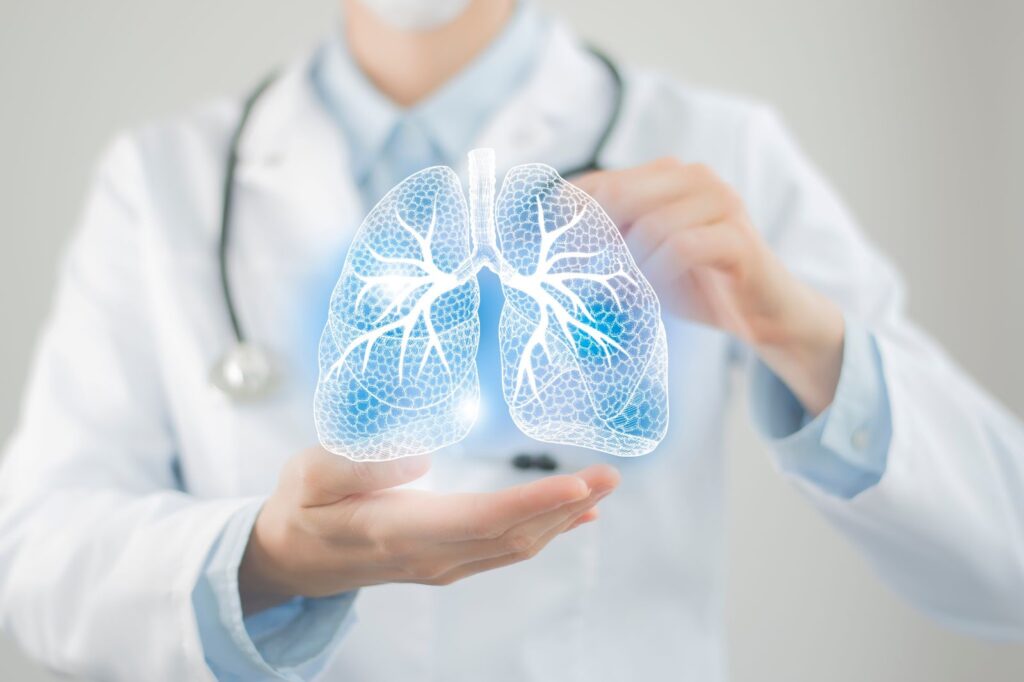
692, 237
333, 525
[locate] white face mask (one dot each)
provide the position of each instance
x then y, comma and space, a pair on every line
416, 15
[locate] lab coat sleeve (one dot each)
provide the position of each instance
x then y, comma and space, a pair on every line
843, 450
292, 641
944, 522
100, 548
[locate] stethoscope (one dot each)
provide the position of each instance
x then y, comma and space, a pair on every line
246, 371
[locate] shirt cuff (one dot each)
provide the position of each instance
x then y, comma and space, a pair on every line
288, 642
843, 451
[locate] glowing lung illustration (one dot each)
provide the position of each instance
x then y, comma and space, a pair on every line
583, 349
397, 356
583, 345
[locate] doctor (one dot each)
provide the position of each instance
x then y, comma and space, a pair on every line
153, 528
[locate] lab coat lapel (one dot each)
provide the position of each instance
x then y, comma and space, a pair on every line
558, 115
295, 213
294, 153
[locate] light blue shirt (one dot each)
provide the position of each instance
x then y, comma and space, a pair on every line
842, 451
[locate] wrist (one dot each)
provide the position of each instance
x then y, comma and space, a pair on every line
806, 353
261, 583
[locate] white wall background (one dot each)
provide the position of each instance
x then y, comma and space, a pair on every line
915, 108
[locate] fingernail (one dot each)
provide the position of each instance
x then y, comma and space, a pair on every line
583, 490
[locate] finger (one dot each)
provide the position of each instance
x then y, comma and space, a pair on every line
600, 477
473, 516
628, 194
625, 195
481, 516
593, 181
523, 536
602, 480
591, 514
651, 230
587, 181
319, 477
708, 245
492, 563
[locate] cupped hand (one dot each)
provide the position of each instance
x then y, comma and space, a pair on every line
333, 525
693, 238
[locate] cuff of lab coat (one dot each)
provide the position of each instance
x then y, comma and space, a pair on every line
843, 451
291, 641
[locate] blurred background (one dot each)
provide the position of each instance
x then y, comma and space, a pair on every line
914, 109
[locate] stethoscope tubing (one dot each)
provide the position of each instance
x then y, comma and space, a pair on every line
227, 203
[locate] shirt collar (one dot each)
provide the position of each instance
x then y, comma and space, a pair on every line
452, 117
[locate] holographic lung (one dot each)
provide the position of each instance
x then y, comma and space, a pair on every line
583, 348
583, 344
397, 356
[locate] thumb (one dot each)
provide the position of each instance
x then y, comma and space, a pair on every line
588, 181
318, 477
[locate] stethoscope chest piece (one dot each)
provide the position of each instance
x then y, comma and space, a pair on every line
244, 373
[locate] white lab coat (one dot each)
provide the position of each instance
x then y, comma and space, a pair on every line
126, 463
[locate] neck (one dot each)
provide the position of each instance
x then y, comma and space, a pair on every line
409, 65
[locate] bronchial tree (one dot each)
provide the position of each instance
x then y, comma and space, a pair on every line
549, 288
583, 346
409, 297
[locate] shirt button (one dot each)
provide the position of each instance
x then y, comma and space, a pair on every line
860, 439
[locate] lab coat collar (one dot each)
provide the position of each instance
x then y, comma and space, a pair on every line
553, 118
293, 153
280, 116
452, 116
557, 117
